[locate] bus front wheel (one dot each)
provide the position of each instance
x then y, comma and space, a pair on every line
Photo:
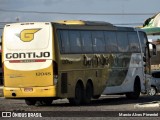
136, 93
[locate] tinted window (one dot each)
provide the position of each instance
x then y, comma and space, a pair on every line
86, 41
82, 41
133, 42
75, 42
111, 42
64, 41
98, 41
122, 40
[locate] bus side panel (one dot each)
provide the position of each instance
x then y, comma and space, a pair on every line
118, 69
134, 69
73, 69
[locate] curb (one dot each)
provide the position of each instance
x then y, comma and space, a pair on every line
148, 105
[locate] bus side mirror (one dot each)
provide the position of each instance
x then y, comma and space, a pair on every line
154, 52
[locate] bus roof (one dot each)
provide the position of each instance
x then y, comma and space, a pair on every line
81, 22
72, 24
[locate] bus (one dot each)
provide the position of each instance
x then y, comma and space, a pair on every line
73, 59
1, 74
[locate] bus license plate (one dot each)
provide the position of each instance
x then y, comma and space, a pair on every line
28, 89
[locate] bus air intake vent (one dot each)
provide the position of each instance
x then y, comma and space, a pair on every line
64, 79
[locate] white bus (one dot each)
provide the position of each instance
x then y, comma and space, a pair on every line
78, 60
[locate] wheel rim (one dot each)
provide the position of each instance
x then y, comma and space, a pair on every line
152, 91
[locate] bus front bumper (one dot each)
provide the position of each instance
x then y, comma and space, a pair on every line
12, 92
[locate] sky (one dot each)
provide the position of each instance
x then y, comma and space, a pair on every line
117, 12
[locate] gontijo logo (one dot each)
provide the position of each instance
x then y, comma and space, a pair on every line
27, 35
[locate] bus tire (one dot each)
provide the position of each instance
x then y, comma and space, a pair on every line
79, 92
88, 93
30, 101
136, 93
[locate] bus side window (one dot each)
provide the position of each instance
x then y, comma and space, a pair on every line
63, 41
86, 41
133, 42
98, 41
75, 41
122, 40
110, 41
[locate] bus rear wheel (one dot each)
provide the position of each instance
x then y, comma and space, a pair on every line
30, 101
88, 93
79, 92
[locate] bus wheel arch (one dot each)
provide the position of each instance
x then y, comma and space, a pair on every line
136, 89
79, 93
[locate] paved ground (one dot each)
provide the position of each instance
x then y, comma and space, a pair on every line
107, 107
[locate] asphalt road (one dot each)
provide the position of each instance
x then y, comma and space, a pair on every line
111, 107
